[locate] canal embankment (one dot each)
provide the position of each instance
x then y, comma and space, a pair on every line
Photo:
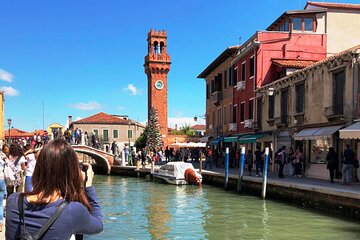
305, 192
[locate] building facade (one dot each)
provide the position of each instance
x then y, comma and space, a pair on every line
109, 128
307, 108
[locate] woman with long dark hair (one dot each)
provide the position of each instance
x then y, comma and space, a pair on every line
57, 178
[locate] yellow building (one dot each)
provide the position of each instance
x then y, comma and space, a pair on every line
54, 129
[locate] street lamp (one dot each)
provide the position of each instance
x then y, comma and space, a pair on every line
9, 123
199, 116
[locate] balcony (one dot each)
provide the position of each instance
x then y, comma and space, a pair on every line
216, 97
299, 119
282, 121
333, 112
232, 126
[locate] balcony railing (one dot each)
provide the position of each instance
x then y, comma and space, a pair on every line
216, 97
334, 111
232, 126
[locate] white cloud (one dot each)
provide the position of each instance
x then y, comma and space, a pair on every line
9, 91
133, 89
6, 76
86, 106
182, 121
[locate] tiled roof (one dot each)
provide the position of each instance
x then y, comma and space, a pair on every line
17, 133
293, 63
198, 127
102, 118
228, 52
333, 5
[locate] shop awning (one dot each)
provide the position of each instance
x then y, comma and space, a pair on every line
204, 139
214, 142
250, 138
316, 133
230, 139
351, 132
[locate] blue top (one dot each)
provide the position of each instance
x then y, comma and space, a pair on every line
75, 219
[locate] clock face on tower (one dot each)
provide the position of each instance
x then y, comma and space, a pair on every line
159, 84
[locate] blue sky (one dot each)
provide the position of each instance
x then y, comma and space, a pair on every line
60, 58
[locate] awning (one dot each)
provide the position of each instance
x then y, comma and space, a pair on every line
204, 139
215, 142
250, 138
230, 139
351, 132
316, 133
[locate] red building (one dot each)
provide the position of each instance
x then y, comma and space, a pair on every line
290, 43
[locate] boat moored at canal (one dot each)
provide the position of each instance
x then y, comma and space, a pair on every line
178, 173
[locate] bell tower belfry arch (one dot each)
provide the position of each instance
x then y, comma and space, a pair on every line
157, 66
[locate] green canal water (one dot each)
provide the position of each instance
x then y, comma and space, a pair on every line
141, 209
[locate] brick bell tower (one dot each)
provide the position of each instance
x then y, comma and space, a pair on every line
157, 66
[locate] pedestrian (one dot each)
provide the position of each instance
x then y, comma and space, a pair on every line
30, 166
208, 157
249, 160
281, 161
57, 179
3, 158
167, 154
348, 165
298, 161
332, 162
17, 163
258, 160
290, 158
114, 148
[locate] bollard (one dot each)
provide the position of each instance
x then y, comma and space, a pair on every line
200, 164
227, 168
263, 189
241, 169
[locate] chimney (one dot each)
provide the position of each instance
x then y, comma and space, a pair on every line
70, 121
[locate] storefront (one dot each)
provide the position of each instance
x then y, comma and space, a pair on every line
316, 142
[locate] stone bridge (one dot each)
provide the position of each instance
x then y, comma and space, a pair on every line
104, 160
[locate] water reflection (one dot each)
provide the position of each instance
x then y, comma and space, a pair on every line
140, 209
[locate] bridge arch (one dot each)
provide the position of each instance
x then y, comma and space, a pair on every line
104, 160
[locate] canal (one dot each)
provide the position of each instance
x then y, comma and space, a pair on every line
141, 209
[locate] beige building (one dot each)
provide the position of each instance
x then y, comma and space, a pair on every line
220, 79
109, 128
308, 108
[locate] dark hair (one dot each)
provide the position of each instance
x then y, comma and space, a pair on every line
57, 169
347, 145
15, 150
331, 150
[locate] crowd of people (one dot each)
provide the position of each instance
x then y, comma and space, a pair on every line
37, 179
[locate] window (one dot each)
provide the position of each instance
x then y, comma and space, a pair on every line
284, 27
234, 113
212, 86
115, 133
243, 71
251, 109
308, 24
252, 66
284, 106
258, 112
300, 98
224, 116
234, 79
218, 82
130, 134
242, 112
207, 91
230, 112
105, 135
96, 132
225, 80
271, 107
338, 92
297, 23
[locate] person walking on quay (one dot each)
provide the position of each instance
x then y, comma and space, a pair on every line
58, 181
348, 165
332, 162
258, 160
208, 158
298, 161
281, 161
30, 166
167, 154
290, 158
249, 160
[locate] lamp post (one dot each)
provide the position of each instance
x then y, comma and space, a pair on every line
9, 123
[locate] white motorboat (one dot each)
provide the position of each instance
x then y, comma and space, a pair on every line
178, 173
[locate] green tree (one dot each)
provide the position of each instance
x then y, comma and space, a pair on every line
153, 134
186, 130
142, 139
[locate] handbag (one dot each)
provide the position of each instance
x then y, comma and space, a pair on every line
11, 174
24, 234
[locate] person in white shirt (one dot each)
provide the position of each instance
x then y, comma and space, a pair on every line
30, 166
17, 158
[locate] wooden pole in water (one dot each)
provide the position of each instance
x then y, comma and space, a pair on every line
241, 169
227, 168
263, 189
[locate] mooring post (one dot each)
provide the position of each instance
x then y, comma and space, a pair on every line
263, 189
227, 168
200, 164
241, 169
